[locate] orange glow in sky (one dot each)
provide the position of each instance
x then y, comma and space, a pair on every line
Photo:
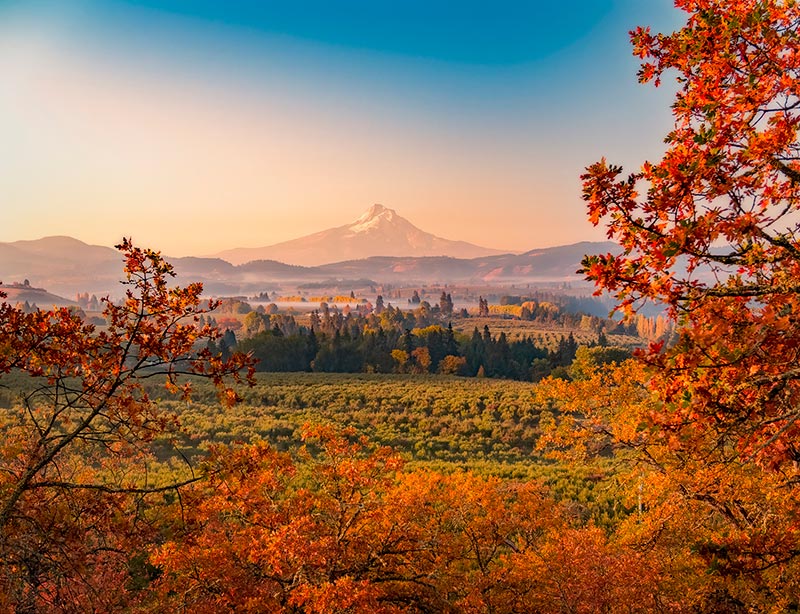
192, 148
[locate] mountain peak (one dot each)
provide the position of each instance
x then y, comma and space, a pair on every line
373, 217
374, 211
379, 231
377, 209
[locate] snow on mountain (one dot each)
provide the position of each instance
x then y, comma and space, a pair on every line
372, 219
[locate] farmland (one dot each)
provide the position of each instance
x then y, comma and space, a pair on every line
545, 335
442, 423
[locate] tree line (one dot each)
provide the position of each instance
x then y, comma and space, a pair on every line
336, 343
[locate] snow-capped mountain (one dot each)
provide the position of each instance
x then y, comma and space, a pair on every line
380, 231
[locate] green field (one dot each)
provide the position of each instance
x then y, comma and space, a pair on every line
446, 423
544, 335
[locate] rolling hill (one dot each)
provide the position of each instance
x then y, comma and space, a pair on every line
66, 266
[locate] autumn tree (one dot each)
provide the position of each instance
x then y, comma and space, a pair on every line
76, 448
711, 231
421, 358
342, 528
446, 304
715, 234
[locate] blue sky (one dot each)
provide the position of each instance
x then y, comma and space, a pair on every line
472, 32
197, 126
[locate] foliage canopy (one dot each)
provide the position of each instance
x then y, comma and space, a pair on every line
711, 230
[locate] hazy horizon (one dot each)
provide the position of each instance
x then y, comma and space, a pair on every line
199, 127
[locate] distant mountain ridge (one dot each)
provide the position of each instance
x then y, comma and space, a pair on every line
546, 264
379, 231
66, 266
61, 264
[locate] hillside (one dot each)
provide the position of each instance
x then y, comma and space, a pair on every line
20, 293
62, 264
67, 266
